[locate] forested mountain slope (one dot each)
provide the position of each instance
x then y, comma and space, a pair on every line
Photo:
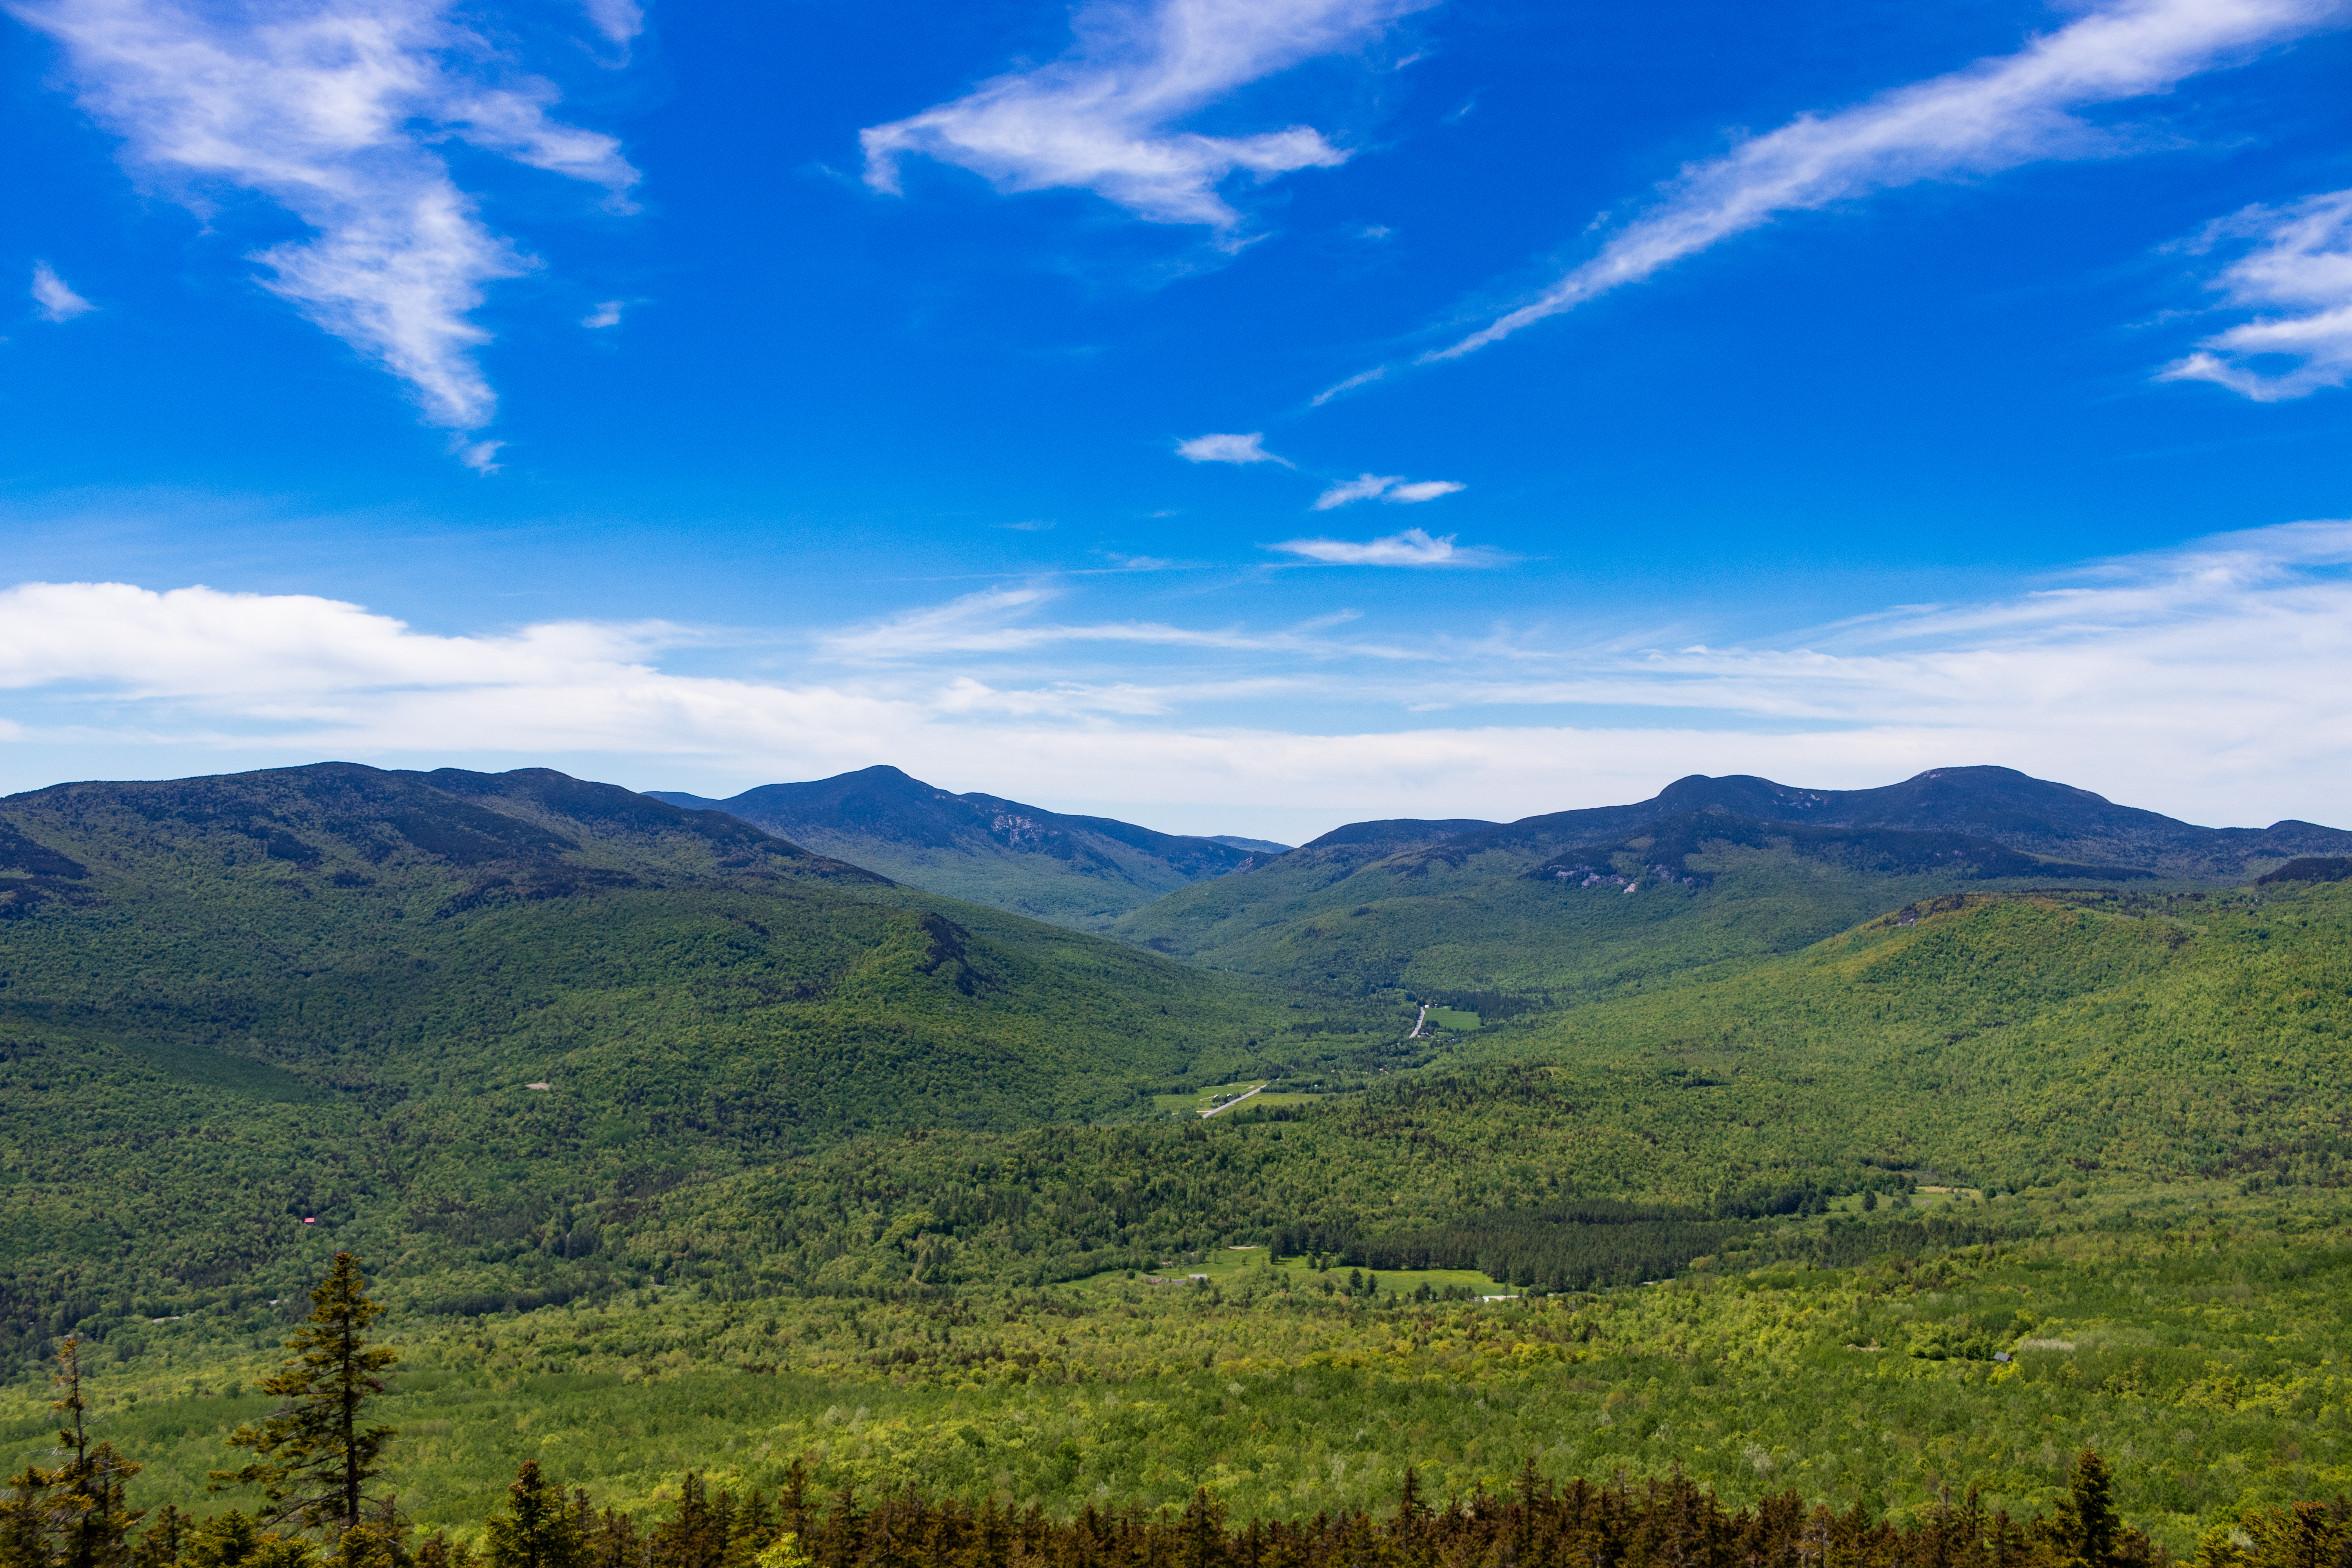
435, 1010
1079, 871
2036, 816
1550, 907
1992, 1041
2155, 1069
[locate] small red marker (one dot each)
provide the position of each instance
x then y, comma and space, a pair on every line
309, 1222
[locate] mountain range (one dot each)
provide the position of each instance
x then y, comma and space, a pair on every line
433, 1010
466, 1018
1501, 915
1080, 871
576, 1070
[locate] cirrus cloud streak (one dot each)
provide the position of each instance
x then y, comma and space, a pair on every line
1105, 117
2302, 264
1995, 115
331, 110
1413, 547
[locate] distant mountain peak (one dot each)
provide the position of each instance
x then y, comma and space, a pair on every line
1081, 871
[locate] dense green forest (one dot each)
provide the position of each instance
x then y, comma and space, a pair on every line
1554, 909
2191, 1334
674, 1148
319, 1461
466, 1017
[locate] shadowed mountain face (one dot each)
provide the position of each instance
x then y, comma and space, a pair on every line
1733, 865
1080, 871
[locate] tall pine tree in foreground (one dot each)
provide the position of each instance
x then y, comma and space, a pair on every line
74, 1516
313, 1457
94, 1520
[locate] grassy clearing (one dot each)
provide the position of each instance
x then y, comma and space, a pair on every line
1199, 1102
1228, 1268
1454, 1018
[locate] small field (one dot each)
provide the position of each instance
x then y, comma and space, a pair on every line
1200, 1102
1453, 1018
1234, 1267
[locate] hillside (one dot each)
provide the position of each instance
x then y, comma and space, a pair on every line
1078, 871
442, 1011
2095, 1135
1997, 1041
1538, 912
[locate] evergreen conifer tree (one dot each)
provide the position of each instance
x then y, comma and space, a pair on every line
24, 1520
313, 1457
232, 1541
160, 1544
2090, 1500
92, 1520
538, 1528
73, 1516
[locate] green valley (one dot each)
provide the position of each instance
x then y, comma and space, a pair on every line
1864, 1160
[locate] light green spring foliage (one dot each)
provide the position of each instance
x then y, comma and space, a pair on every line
895, 1305
2002, 1043
2204, 1349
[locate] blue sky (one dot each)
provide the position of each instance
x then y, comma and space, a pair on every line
1234, 416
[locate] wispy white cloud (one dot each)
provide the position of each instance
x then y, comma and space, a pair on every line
619, 20
1413, 547
331, 109
58, 302
1361, 378
1105, 117
2214, 682
1996, 114
2302, 264
1249, 448
479, 455
997, 621
1391, 488
607, 314
1362, 487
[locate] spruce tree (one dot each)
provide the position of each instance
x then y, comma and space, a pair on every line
25, 1515
161, 1544
92, 1520
538, 1530
73, 1516
313, 1456
2090, 1500
232, 1541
